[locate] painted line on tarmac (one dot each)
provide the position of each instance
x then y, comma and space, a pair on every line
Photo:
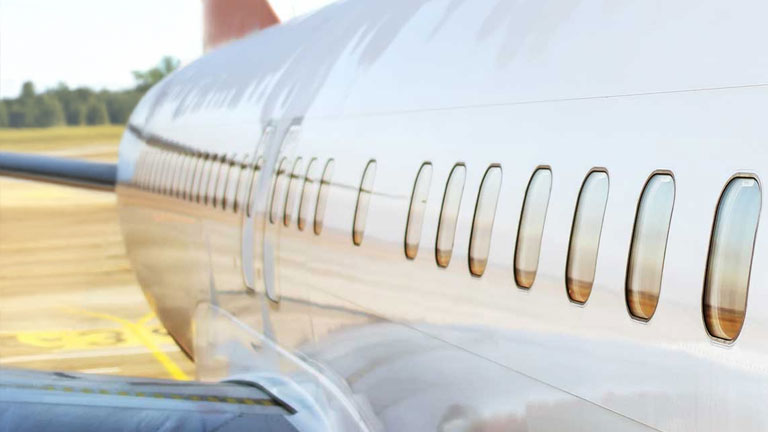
143, 335
91, 353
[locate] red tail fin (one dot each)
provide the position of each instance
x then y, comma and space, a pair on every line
232, 19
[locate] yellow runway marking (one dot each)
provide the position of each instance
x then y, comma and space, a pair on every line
144, 336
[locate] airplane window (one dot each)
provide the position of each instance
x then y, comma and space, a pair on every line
449, 214
363, 201
157, 175
253, 182
177, 173
305, 202
322, 196
222, 181
196, 180
416, 211
141, 167
162, 168
230, 189
213, 177
159, 169
649, 245
730, 258
182, 175
278, 189
147, 172
531, 228
293, 191
167, 180
190, 171
241, 177
482, 224
585, 236
205, 174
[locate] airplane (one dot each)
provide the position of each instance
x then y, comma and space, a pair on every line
454, 215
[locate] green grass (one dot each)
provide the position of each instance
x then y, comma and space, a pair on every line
55, 138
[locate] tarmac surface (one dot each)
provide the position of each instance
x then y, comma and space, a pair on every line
69, 300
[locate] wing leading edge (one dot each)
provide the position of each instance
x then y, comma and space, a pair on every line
72, 172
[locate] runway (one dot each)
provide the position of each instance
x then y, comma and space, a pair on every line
68, 298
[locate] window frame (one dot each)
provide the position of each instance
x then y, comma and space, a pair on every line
520, 224
359, 234
493, 222
305, 198
292, 191
600, 237
409, 219
756, 178
323, 191
442, 210
632, 243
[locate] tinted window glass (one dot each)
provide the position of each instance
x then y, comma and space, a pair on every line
363, 202
242, 184
322, 196
205, 175
141, 167
230, 191
307, 192
482, 224
222, 181
449, 214
649, 245
293, 191
173, 170
183, 176
252, 184
528, 246
194, 186
213, 179
181, 164
278, 190
170, 172
158, 170
416, 211
730, 258
585, 236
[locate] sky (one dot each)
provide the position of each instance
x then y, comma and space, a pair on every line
97, 43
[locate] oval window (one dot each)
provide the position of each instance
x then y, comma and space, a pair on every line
531, 228
307, 192
293, 192
482, 224
230, 190
183, 177
222, 181
585, 236
204, 177
242, 184
251, 189
416, 210
278, 189
730, 258
194, 188
322, 196
449, 215
649, 245
363, 202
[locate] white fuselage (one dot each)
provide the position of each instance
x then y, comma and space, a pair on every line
373, 340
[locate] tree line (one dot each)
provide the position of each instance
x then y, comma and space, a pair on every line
80, 106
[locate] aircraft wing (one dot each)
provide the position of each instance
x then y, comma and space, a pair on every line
36, 401
73, 172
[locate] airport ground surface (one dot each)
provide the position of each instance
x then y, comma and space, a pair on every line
68, 298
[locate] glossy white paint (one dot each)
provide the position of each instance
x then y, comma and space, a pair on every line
375, 341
